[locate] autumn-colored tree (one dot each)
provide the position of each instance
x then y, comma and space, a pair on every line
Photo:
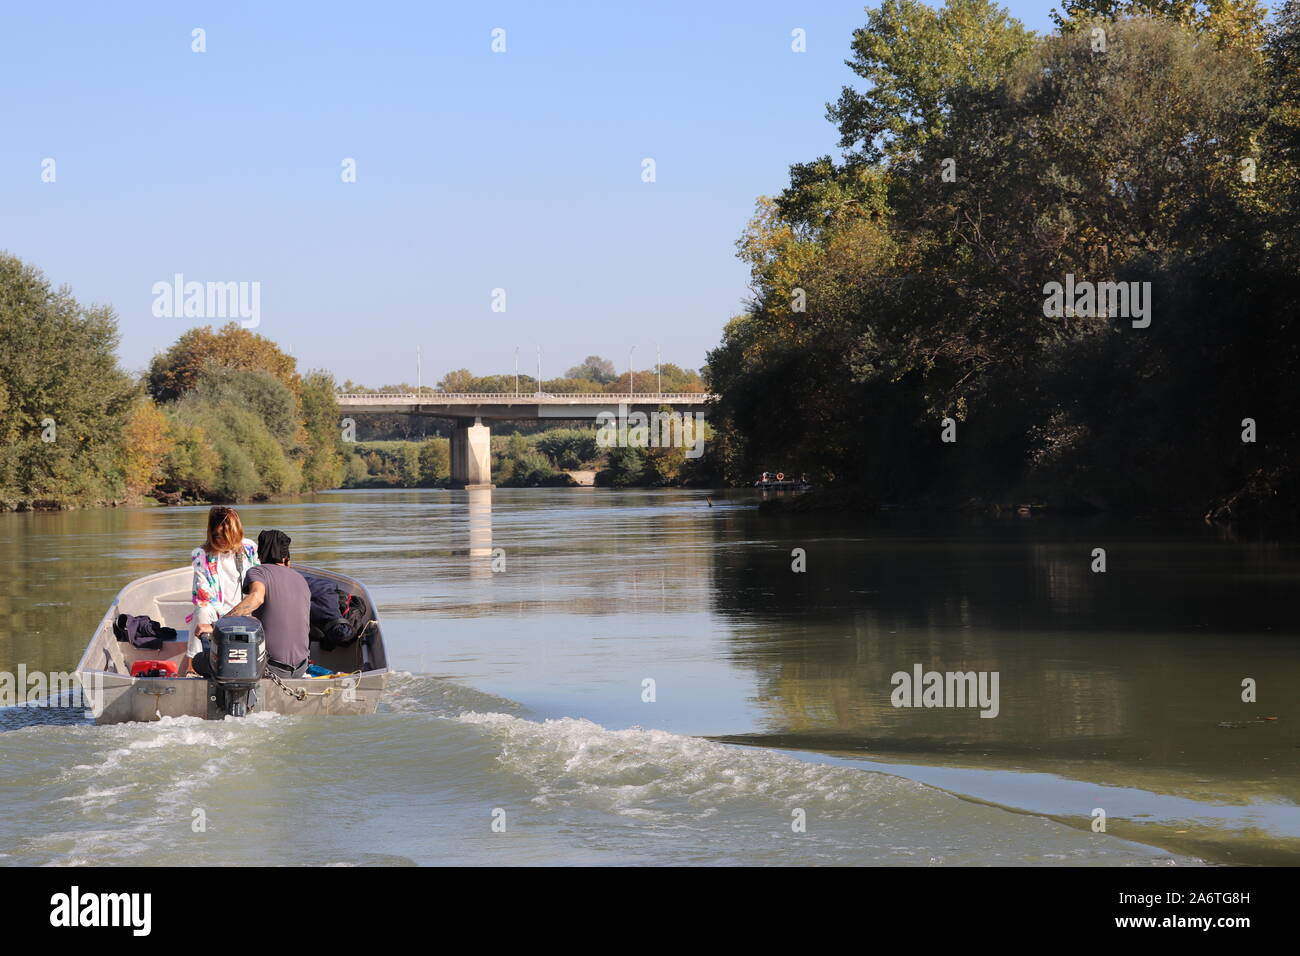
146, 440
674, 378
456, 381
174, 372
1231, 22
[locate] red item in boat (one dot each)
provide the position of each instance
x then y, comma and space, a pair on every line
153, 669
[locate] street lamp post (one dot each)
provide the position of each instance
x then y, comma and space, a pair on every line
631, 376
516, 371
659, 372
539, 370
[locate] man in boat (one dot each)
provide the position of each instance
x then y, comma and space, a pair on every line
279, 598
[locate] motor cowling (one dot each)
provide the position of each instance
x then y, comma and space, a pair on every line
238, 658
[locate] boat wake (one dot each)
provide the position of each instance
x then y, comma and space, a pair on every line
731, 804
444, 774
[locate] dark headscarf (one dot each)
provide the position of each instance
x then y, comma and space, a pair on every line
272, 546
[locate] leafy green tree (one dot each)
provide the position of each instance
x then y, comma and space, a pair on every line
394, 464
593, 369
260, 392
237, 478
568, 448
252, 464
355, 472
65, 400
908, 284
624, 467
666, 464
191, 463
277, 473
496, 384
408, 463
529, 469
571, 386
322, 466
912, 57
1278, 160
435, 461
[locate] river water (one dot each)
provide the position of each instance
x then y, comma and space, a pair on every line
645, 679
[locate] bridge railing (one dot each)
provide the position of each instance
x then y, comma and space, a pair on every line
594, 398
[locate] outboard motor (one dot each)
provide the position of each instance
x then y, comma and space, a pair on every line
238, 656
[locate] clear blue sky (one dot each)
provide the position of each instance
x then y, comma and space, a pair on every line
475, 170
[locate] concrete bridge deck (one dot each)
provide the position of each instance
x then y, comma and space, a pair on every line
508, 407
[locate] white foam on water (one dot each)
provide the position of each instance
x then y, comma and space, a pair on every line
723, 803
633, 770
182, 735
434, 765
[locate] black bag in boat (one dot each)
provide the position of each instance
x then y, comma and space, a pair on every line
337, 617
142, 631
344, 631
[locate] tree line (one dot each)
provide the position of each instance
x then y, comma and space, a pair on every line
899, 339
595, 374
222, 415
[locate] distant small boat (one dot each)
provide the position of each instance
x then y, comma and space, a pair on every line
777, 481
115, 696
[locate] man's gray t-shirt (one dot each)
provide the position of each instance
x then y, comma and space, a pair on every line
285, 613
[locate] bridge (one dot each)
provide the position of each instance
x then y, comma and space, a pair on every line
471, 461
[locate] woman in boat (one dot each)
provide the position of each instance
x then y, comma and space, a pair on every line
219, 569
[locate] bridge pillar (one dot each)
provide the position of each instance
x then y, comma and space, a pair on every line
471, 456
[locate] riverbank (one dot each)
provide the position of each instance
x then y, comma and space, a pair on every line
19, 505
1245, 509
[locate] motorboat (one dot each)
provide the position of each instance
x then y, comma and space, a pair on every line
119, 688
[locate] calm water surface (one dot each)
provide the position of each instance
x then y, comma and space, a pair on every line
521, 691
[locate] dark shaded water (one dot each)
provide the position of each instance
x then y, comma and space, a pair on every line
523, 686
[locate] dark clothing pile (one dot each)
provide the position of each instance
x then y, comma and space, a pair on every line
337, 617
142, 631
